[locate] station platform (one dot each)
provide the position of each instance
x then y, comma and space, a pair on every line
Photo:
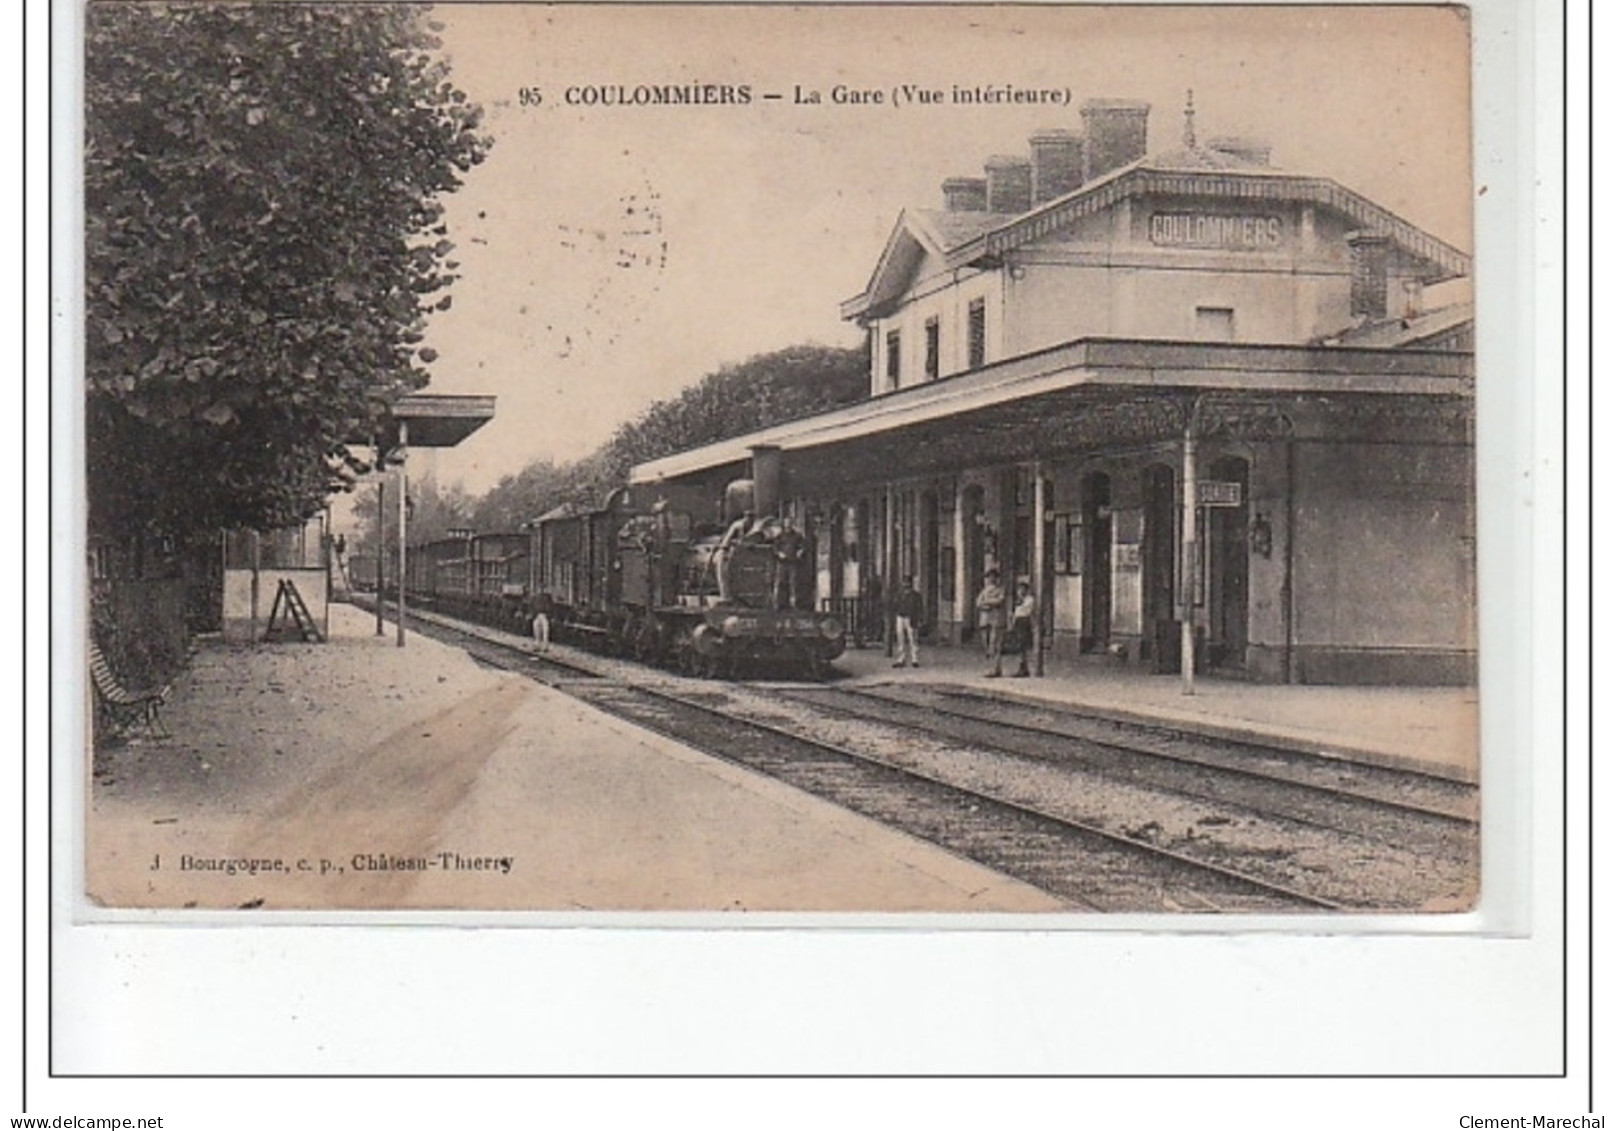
354, 775
1431, 729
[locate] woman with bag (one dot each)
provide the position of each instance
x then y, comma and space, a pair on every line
1020, 627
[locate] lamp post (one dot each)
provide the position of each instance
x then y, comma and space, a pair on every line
381, 535
403, 520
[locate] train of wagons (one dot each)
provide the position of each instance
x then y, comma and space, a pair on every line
712, 587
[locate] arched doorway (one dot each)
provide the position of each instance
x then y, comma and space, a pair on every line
1096, 539
1228, 569
1159, 553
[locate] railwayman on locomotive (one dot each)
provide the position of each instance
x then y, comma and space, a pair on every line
788, 547
746, 526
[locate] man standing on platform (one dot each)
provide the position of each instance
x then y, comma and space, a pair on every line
990, 620
909, 611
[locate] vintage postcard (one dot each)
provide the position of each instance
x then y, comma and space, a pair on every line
945, 460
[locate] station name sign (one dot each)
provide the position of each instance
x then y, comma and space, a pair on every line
1218, 493
1201, 229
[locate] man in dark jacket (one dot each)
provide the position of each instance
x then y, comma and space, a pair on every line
909, 611
788, 546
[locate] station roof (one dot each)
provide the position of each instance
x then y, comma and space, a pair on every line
1431, 326
434, 420
976, 239
564, 510
1170, 175
1098, 386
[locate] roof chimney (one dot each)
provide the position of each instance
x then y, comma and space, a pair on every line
1056, 163
1370, 257
1009, 184
1250, 150
1118, 134
965, 194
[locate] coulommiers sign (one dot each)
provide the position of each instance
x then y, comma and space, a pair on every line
1199, 229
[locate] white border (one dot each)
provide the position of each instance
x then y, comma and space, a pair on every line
433, 999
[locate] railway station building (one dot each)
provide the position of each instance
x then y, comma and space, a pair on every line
1195, 399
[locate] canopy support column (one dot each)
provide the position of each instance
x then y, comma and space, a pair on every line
1186, 587
1040, 506
963, 599
889, 568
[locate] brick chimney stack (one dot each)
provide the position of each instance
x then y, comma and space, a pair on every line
1009, 184
1056, 163
965, 194
1370, 258
1118, 134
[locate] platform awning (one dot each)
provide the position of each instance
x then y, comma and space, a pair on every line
434, 421
1088, 392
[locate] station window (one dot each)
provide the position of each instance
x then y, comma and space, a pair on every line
1213, 324
978, 333
894, 358
933, 349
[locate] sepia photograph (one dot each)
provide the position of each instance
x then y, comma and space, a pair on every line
955, 460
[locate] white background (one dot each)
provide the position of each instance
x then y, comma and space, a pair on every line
414, 1000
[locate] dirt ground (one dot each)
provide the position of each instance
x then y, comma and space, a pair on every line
356, 775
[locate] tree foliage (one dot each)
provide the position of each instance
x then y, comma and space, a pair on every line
434, 511
525, 495
263, 240
767, 389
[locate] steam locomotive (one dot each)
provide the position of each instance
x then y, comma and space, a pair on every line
669, 576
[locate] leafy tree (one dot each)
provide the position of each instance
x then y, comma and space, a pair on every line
767, 389
434, 510
263, 240
522, 496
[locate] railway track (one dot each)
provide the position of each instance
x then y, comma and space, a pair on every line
1282, 817
1088, 867
1374, 801
1106, 817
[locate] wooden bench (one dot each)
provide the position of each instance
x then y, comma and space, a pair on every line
120, 706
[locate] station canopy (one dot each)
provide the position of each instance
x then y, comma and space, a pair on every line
433, 421
1089, 394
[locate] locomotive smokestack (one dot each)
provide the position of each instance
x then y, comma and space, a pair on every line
765, 477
